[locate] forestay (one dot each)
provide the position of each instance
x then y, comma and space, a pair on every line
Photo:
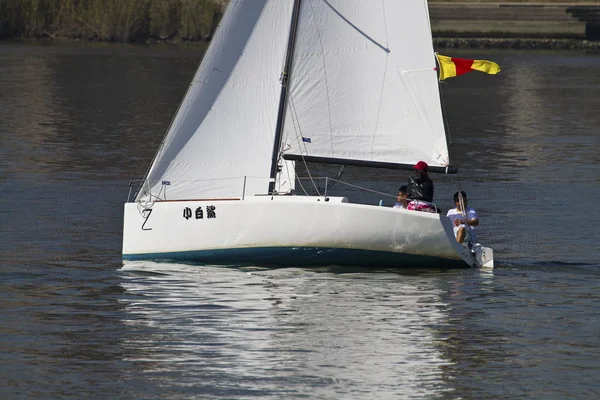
224, 128
363, 85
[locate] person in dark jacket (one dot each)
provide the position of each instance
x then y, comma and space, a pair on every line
420, 187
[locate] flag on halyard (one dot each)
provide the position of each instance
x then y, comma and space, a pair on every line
452, 66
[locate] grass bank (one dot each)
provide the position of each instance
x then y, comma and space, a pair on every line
147, 20
110, 20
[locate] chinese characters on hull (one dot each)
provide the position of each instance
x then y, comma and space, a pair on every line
199, 213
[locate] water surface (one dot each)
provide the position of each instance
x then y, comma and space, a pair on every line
77, 122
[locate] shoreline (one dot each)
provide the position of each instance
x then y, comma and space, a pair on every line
514, 43
458, 24
438, 42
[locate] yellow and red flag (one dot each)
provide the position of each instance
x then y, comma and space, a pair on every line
452, 66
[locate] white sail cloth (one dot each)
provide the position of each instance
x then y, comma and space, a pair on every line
362, 87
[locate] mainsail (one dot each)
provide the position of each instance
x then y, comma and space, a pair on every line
363, 85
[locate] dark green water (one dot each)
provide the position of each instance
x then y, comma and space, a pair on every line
77, 122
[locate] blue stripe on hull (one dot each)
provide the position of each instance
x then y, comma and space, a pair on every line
303, 257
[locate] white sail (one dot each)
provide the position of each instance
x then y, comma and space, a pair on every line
224, 129
364, 85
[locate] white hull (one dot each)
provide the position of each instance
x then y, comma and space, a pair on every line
292, 230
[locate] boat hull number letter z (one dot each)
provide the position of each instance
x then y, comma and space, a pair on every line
146, 214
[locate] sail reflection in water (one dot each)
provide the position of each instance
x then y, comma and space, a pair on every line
285, 332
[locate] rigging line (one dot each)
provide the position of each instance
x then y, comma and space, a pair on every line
298, 130
209, 180
312, 180
161, 147
325, 77
417, 70
448, 135
336, 179
198, 79
426, 9
366, 189
356, 28
296, 124
445, 119
301, 186
300, 143
310, 175
168, 134
291, 179
382, 83
296, 120
285, 164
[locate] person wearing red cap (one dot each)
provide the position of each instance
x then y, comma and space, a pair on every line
420, 186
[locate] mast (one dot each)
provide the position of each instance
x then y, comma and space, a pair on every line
283, 95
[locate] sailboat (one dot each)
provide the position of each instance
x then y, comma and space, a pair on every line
287, 82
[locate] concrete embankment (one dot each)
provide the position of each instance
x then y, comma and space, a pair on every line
516, 25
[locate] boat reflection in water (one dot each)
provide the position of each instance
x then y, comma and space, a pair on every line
285, 332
